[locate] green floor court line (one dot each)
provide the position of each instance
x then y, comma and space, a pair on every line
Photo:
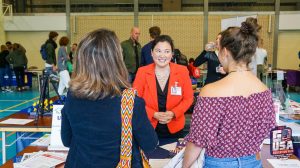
19, 104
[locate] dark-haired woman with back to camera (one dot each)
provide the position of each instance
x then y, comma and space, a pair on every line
234, 115
91, 117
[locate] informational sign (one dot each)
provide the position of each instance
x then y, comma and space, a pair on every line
281, 142
280, 75
55, 138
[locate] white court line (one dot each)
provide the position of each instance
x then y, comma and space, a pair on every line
14, 100
19, 104
11, 110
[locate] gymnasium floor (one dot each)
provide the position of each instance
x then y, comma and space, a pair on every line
16, 101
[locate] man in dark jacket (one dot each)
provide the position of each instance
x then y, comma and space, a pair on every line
50, 63
146, 57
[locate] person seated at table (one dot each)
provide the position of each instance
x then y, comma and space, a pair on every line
234, 115
91, 117
166, 88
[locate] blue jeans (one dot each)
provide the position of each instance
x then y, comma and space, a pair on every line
241, 162
8, 72
2, 74
49, 71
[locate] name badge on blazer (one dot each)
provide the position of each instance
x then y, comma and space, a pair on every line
175, 90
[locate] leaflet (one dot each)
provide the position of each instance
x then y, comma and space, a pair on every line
288, 163
16, 121
43, 159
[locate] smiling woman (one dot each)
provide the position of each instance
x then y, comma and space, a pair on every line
166, 89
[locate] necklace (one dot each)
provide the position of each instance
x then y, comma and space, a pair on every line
162, 78
239, 71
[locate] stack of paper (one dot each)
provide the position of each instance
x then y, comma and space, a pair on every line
280, 163
41, 159
42, 141
16, 121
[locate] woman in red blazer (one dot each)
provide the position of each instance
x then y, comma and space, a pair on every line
166, 89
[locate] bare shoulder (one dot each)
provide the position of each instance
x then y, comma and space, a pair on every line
260, 86
211, 90
227, 87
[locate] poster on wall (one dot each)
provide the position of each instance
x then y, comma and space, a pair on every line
235, 21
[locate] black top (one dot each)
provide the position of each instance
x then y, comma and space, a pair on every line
137, 61
50, 49
3, 55
92, 130
212, 63
71, 56
162, 129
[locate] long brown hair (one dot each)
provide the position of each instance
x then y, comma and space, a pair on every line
99, 67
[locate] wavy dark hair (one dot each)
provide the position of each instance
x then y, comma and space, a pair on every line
241, 41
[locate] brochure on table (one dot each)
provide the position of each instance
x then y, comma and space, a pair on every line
55, 138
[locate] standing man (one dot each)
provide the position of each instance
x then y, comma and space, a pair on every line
50, 64
132, 53
9, 45
146, 50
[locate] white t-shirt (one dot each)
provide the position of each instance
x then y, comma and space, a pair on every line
252, 65
260, 54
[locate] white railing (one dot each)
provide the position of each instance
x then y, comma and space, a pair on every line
7, 10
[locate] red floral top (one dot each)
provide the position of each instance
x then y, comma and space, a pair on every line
232, 126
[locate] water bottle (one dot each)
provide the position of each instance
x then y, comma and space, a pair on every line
277, 110
287, 105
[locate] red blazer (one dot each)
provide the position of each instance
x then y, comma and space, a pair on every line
145, 83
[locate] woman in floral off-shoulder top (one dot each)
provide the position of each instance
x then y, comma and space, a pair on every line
235, 114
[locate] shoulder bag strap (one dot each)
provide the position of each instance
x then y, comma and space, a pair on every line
127, 103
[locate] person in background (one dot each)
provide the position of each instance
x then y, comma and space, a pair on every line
72, 52
299, 57
3, 68
9, 68
253, 62
260, 56
234, 115
191, 66
91, 117
62, 58
146, 57
210, 55
132, 53
166, 88
50, 64
9, 46
18, 60
179, 58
